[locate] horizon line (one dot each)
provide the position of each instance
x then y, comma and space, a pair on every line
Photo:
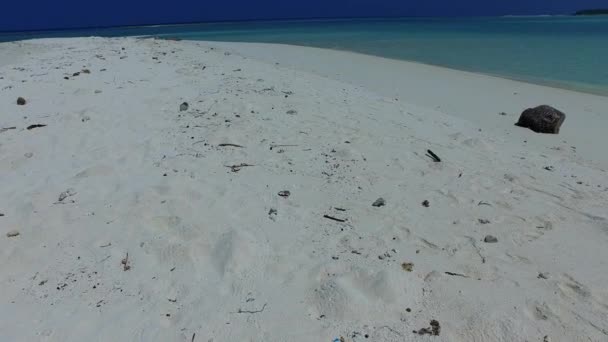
186, 23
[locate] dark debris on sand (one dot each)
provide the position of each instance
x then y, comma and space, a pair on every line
433, 330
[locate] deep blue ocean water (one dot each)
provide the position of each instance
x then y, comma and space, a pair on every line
570, 52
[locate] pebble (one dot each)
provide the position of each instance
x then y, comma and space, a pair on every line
183, 107
426, 204
28, 155
68, 193
21, 101
97, 91
380, 202
408, 267
284, 193
12, 233
490, 239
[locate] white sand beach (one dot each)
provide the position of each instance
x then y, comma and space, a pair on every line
248, 215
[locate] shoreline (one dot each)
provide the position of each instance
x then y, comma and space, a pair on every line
572, 85
582, 89
159, 190
449, 91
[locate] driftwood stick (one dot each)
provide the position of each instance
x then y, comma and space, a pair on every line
229, 145
456, 274
334, 219
433, 156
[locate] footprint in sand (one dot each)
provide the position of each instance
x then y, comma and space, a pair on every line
234, 253
357, 290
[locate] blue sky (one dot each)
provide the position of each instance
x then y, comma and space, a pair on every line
47, 14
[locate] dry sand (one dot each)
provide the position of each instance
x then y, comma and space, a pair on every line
140, 222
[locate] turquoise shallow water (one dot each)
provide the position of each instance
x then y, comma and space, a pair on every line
570, 52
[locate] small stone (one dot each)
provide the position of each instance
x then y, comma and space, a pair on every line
183, 107
426, 204
408, 267
484, 221
284, 193
68, 193
12, 233
28, 155
75, 74
97, 91
86, 71
292, 112
380, 202
21, 101
542, 275
490, 239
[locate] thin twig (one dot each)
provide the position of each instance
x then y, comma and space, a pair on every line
456, 274
273, 146
104, 259
237, 168
254, 311
334, 219
433, 156
229, 145
30, 127
391, 329
2, 130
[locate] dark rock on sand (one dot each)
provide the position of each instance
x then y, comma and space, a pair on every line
380, 202
433, 330
21, 101
183, 107
542, 119
490, 239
